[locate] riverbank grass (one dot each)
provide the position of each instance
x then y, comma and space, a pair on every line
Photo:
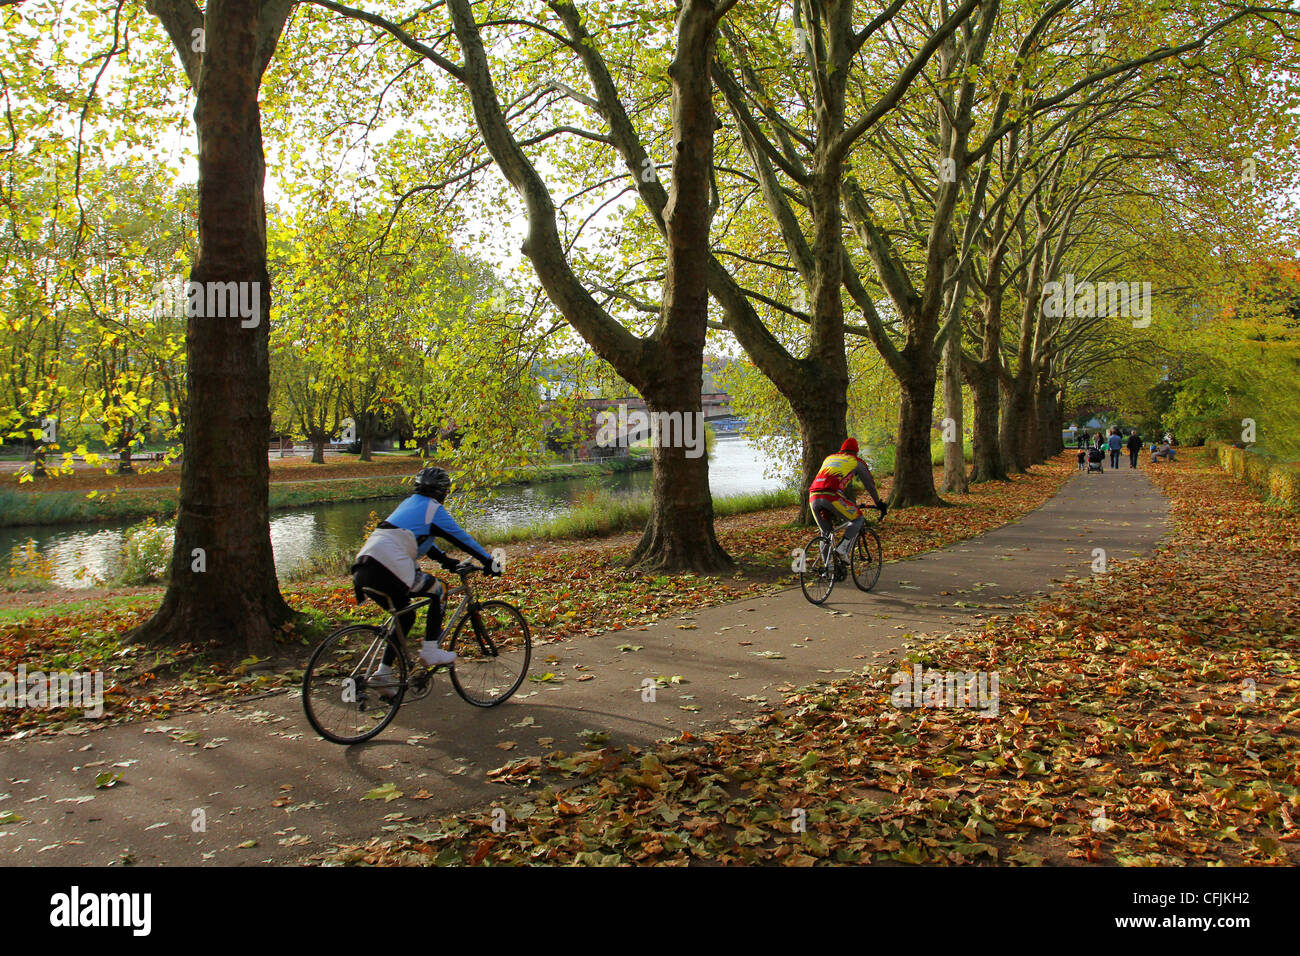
606, 513
24, 506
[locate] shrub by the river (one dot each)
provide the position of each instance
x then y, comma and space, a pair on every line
146, 553
29, 570
333, 564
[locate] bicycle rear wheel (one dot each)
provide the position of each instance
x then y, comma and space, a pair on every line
340, 695
493, 648
818, 575
868, 559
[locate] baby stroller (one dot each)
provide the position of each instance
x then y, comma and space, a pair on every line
1095, 458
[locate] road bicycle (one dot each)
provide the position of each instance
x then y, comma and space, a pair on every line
820, 564
346, 703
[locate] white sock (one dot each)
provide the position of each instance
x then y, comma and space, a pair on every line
383, 670
429, 646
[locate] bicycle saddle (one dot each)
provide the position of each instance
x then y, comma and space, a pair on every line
379, 598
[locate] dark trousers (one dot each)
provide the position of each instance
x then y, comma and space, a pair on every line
1114, 458
1133, 457
369, 573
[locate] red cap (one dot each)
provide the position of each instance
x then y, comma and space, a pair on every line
850, 445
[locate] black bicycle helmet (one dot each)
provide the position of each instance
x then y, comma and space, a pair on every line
434, 482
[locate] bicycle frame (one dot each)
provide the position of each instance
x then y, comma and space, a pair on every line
829, 536
467, 603
391, 628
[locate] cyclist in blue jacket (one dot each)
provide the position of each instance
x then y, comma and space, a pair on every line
389, 560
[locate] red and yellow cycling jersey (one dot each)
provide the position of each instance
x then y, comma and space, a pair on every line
836, 473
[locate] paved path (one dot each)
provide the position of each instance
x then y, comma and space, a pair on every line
257, 772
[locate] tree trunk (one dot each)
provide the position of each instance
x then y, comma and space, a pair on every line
124, 460
954, 452
1020, 418
1028, 438
821, 403
665, 366
223, 587
1006, 433
822, 431
318, 449
679, 534
986, 451
1058, 419
984, 377
913, 471
1017, 418
816, 386
1048, 412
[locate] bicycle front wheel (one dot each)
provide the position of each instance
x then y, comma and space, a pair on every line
868, 559
493, 648
342, 696
818, 575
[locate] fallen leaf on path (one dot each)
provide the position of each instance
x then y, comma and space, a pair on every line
388, 792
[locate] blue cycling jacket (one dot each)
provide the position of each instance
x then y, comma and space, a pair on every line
410, 531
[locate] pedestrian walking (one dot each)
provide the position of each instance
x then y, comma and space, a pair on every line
1134, 447
1114, 443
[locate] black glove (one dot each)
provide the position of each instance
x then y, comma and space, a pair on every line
883, 509
492, 572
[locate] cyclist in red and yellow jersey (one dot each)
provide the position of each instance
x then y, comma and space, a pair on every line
826, 498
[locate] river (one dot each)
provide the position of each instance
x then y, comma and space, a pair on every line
89, 554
